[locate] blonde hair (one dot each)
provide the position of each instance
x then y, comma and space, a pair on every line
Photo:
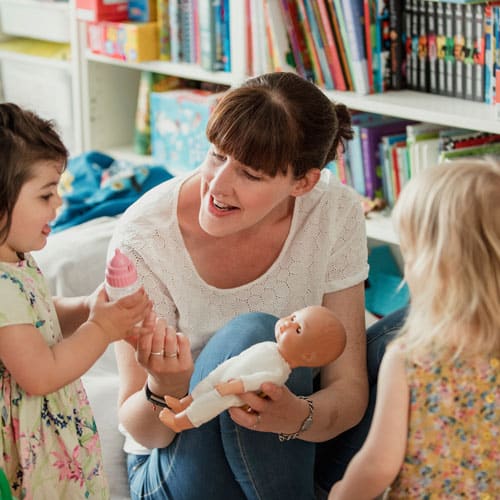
448, 219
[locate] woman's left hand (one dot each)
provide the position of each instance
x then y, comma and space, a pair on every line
278, 410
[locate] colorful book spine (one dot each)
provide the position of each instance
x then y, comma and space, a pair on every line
293, 37
396, 35
441, 48
478, 53
370, 40
332, 55
413, 75
163, 30
449, 58
458, 51
207, 34
468, 53
311, 47
319, 45
353, 16
423, 60
339, 42
370, 139
432, 48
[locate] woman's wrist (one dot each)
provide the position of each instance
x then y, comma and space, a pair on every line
305, 425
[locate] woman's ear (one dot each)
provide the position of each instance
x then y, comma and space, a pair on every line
306, 183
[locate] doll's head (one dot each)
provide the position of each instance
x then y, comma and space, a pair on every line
312, 336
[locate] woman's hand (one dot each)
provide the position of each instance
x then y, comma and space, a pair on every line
166, 355
276, 410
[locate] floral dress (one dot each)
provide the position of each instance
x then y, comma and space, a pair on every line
49, 444
453, 448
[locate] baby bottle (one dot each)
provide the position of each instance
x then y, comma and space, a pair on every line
121, 277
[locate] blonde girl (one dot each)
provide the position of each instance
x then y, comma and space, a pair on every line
436, 428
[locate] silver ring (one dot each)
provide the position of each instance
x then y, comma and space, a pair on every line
159, 353
171, 354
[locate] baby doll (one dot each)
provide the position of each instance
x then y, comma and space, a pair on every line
310, 337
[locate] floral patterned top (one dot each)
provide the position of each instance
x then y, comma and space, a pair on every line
49, 446
453, 448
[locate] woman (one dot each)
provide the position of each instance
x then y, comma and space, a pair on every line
259, 229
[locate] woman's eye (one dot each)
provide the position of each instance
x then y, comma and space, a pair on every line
251, 176
218, 156
47, 197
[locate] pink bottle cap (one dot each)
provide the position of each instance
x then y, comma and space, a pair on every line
120, 272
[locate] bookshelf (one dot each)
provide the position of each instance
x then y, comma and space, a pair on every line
44, 77
109, 92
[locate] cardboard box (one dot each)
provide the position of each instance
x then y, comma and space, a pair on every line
178, 122
102, 10
125, 41
142, 10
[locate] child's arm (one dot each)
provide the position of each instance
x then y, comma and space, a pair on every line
378, 462
41, 369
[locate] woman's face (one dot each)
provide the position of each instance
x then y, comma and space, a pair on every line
235, 197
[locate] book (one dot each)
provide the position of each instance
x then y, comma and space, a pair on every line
387, 143
432, 48
478, 53
278, 38
441, 48
293, 37
332, 54
412, 73
449, 58
422, 141
396, 35
342, 50
458, 51
318, 42
353, 17
369, 7
490, 149
423, 61
468, 81
370, 138
306, 31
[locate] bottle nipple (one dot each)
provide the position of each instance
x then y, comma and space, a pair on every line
120, 271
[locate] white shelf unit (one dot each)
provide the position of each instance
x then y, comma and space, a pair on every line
110, 91
48, 86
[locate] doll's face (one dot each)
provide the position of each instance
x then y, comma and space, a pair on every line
301, 333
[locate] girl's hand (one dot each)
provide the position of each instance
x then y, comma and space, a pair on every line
166, 356
277, 410
119, 319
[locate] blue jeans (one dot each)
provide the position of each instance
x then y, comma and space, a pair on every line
223, 460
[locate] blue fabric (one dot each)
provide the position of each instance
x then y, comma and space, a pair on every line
95, 185
223, 460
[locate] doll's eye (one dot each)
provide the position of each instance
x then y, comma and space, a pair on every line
299, 329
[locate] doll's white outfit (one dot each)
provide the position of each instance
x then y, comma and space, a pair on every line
259, 363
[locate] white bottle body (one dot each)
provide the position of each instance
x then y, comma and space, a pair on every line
115, 293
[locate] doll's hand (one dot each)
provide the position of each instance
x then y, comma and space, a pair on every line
118, 319
166, 356
279, 411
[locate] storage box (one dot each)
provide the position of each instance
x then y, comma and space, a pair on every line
44, 89
178, 122
126, 41
36, 20
102, 10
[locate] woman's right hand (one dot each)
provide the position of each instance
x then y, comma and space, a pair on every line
166, 355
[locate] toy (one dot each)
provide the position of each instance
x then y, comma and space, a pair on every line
311, 337
121, 276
